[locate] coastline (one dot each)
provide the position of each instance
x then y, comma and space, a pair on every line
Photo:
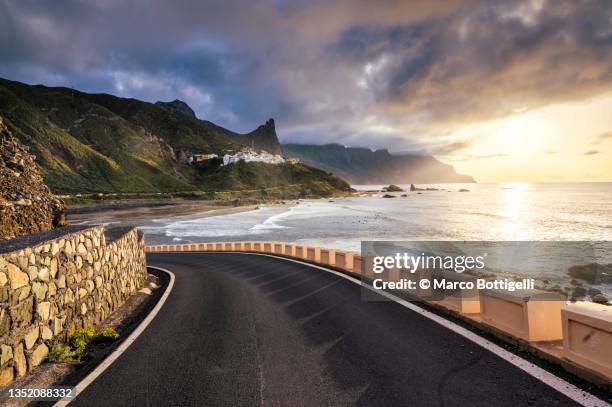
341, 223
141, 209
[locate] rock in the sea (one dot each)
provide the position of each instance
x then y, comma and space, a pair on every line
593, 273
578, 292
593, 291
389, 196
26, 203
600, 299
413, 188
392, 188
464, 190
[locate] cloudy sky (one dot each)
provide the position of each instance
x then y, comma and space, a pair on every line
503, 90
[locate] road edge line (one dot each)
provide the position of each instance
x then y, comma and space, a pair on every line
108, 361
550, 379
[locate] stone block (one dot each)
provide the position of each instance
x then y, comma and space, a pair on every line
6, 354
21, 314
16, 277
31, 337
38, 356
19, 360
6, 376
46, 333
42, 309
39, 290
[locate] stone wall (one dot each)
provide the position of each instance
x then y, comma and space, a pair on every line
55, 282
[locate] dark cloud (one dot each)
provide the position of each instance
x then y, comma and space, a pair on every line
591, 152
356, 72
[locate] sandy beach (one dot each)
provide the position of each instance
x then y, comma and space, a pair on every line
137, 212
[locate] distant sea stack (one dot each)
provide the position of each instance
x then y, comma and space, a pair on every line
364, 166
26, 204
177, 106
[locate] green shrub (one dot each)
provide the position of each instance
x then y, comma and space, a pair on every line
80, 339
61, 353
108, 334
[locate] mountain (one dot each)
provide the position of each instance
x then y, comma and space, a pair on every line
364, 166
103, 143
177, 106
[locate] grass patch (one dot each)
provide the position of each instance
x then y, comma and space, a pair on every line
79, 343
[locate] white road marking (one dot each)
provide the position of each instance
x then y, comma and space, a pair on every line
83, 384
562, 386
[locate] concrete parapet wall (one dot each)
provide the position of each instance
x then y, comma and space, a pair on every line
463, 301
532, 315
357, 264
328, 256
301, 252
587, 336
54, 283
289, 250
279, 248
313, 254
344, 260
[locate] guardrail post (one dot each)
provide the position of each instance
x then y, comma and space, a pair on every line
587, 336
532, 315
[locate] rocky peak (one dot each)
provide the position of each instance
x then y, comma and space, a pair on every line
264, 137
177, 106
269, 125
26, 203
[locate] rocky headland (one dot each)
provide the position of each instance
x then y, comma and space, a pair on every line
26, 203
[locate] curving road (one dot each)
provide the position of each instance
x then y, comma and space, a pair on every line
246, 330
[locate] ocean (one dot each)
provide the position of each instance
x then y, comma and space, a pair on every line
488, 212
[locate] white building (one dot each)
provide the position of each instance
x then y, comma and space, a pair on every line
250, 155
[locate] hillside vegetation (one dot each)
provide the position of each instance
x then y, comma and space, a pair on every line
308, 181
105, 144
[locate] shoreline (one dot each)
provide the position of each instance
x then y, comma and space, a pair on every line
84, 208
125, 212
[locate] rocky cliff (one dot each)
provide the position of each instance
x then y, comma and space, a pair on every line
264, 137
26, 204
364, 166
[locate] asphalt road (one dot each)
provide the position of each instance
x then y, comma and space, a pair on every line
246, 330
